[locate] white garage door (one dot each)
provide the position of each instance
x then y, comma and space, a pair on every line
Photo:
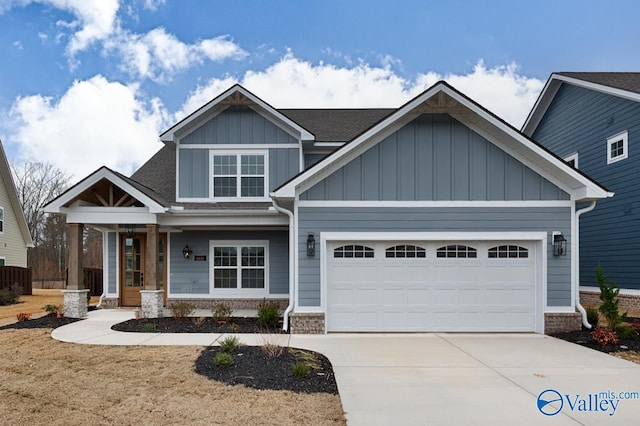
430, 286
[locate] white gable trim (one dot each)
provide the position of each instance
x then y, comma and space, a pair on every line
169, 135
584, 188
551, 89
58, 205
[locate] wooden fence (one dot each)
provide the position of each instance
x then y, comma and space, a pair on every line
15, 275
92, 278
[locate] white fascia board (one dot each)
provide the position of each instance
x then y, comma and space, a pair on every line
109, 215
247, 220
57, 205
169, 135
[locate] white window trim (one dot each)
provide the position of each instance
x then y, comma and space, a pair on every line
624, 136
4, 222
573, 157
239, 292
239, 154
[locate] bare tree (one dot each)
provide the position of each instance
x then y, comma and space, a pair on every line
37, 184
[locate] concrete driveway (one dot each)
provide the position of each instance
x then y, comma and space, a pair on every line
464, 379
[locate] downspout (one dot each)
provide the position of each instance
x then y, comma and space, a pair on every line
292, 259
583, 313
105, 248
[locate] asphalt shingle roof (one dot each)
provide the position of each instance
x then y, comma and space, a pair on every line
336, 125
629, 81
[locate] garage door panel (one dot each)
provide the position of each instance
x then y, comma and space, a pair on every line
430, 293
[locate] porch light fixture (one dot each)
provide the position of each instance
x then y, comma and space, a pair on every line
559, 244
311, 245
130, 231
187, 252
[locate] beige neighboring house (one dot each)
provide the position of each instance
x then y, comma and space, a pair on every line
14, 232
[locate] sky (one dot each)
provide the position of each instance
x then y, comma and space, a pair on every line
87, 83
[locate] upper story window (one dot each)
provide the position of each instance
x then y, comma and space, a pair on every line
617, 147
572, 160
239, 175
1, 220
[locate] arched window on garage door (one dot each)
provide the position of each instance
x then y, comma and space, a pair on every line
459, 251
508, 251
405, 250
353, 251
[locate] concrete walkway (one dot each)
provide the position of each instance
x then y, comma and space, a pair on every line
439, 379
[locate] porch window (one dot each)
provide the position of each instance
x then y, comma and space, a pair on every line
239, 175
240, 266
1, 220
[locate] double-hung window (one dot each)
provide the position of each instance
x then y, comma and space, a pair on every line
240, 267
1, 220
239, 175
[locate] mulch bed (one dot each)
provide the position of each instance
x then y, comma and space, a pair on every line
253, 368
47, 321
583, 338
196, 325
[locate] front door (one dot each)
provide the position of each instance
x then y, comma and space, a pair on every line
132, 278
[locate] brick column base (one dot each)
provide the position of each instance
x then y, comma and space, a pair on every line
151, 301
75, 303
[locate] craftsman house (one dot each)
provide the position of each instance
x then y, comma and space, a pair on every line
435, 216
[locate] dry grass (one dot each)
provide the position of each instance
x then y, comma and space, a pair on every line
43, 381
33, 304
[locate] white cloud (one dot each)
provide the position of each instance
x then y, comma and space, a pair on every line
153, 5
294, 83
159, 55
96, 122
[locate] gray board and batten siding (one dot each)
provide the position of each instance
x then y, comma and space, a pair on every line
434, 157
238, 126
393, 219
191, 277
580, 120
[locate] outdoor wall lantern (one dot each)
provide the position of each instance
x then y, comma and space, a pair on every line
559, 244
130, 231
186, 252
311, 244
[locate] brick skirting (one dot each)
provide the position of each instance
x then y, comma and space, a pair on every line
233, 303
306, 323
626, 302
561, 322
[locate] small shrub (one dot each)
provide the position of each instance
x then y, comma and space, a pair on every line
182, 310
268, 315
592, 315
23, 316
625, 331
10, 296
604, 336
230, 343
53, 309
234, 327
300, 369
198, 322
221, 313
609, 296
223, 359
271, 350
149, 327
307, 357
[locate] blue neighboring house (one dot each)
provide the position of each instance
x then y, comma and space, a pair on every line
592, 120
435, 216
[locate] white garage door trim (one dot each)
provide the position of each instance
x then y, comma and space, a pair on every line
539, 248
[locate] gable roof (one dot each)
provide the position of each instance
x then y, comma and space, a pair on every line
621, 84
443, 98
236, 95
139, 192
9, 183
